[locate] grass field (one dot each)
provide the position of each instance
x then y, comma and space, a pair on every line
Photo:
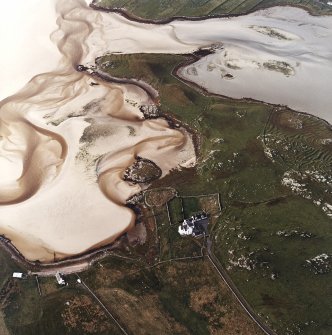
171, 297
266, 231
159, 9
165, 295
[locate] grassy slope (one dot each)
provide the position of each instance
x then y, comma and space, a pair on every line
7, 267
154, 9
173, 298
161, 299
27, 313
182, 298
256, 205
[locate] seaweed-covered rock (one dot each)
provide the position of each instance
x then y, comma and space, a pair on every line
136, 199
142, 171
81, 68
150, 111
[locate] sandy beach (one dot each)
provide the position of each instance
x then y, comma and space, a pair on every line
23, 23
65, 146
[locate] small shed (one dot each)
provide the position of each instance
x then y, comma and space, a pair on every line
60, 279
18, 275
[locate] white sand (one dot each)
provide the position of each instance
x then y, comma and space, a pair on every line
26, 48
307, 51
63, 193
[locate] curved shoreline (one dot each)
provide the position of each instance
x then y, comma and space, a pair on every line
87, 258
154, 94
81, 261
71, 227
189, 60
192, 58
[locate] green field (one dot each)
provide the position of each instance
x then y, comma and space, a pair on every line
171, 296
177, 292
161, 9
266, 232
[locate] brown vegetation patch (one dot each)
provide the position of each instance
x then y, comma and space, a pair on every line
176, 95
235, 323
159, 197
151, 245
141, 315
3, 328
48, 286
209, 297
288, 120
255, 151
202, 298
210, 204
105, 278
223, 318
137, 235
81, 313
8, 289
142, 171
204, 302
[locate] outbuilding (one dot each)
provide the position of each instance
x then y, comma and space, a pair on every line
60, 279
18, 275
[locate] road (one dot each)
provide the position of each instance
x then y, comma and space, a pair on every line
238, 295
101, 304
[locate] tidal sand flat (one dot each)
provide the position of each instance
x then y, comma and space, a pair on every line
26, 47
281, 55
65, 144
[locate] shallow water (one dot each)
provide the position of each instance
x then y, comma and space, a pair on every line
281, 56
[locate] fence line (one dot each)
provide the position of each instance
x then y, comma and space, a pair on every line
169, 217
198, 195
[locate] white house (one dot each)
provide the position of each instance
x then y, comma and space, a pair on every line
196, 225
59, 279
18, 275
